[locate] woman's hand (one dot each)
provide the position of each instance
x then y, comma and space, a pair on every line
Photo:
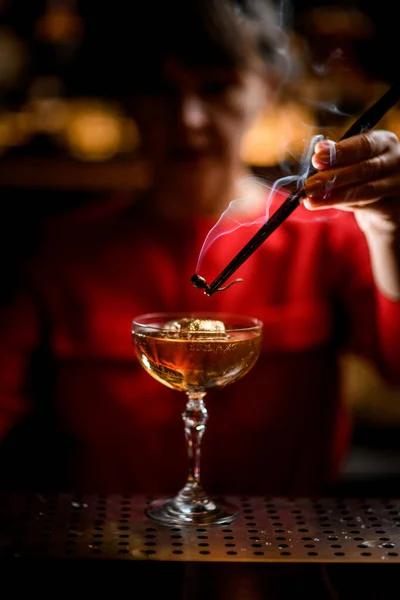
362, 174
359, 174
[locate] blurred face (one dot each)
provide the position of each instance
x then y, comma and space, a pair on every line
195, 121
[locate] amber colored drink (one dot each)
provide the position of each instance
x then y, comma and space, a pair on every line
198, 363
191, 353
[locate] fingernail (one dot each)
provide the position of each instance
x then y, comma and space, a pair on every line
323, 156
325, 146
308, 204
313, 204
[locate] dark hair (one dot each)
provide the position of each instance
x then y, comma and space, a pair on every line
125, 47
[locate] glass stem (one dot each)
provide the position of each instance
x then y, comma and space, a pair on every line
194, 418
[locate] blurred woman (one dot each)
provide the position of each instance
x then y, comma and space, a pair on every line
77, 411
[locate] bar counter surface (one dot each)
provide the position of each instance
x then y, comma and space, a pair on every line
325, 547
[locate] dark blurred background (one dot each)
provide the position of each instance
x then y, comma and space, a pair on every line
65, 138
60, 108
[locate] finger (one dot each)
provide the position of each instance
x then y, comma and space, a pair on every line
361, 194
368, 179
355, 149
345, 206
386, 206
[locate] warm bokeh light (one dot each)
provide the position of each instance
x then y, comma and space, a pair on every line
392, 121
13, 58
283, 132
15, 130
96, 131
58, 23
49, 115
335, 20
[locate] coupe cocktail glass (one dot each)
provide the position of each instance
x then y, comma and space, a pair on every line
193, 352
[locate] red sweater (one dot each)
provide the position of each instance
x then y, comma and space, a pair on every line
281, 429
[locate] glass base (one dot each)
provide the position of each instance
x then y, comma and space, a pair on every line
174, 511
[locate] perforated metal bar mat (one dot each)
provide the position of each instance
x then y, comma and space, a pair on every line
267, 529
